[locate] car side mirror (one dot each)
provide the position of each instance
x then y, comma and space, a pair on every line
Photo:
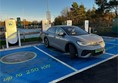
61, 34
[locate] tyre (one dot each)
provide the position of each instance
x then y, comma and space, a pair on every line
72, 51
46, 42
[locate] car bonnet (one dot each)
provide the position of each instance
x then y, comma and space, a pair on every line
89, 38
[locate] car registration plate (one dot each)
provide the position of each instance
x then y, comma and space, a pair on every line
98, 50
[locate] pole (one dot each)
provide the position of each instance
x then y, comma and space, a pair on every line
19, 39
6, 40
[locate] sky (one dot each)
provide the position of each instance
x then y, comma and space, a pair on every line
36, 9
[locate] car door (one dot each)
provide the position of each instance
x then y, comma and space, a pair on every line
51, 35
60, 40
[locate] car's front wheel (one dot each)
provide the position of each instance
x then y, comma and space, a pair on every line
72, 51
46, 42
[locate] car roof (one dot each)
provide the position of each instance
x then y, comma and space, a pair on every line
61, 25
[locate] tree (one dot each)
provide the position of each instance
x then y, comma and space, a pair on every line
2, 23
59, 20
113, 4
101, 4
107, 5
77, 13
65, 11
74, 8
82, 12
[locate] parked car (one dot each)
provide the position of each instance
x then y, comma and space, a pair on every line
74, 40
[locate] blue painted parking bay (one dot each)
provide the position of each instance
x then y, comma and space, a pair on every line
50, 65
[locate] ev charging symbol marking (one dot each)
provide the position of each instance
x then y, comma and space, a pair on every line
10, 24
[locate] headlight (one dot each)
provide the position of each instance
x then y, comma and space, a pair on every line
83, 43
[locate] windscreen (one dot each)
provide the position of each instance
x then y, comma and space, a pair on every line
73, 30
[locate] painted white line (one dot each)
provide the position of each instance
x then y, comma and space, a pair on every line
71, 74
111, 54
56, 59
12, 48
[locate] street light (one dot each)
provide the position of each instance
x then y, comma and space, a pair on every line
48, 15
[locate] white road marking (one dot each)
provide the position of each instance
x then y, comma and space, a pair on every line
56, 59
111, 54
76, 72
12, 48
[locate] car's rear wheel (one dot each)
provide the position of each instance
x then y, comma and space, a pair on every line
72, 51
46, 42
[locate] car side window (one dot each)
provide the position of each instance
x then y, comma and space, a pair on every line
59, 30
52, 30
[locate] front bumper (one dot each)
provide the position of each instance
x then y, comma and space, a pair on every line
88, 53
90, 50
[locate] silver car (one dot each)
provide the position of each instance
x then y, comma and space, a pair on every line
74, 40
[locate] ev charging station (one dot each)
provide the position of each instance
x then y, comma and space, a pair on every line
86, 25
45, 25
69, 22
12, 35
45, 62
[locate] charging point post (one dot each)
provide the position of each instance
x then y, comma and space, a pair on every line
86, 25
12, 35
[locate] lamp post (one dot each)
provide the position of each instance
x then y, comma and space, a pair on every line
48, 15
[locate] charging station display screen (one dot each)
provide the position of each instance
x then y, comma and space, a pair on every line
11, 31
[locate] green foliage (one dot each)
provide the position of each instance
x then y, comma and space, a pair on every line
106, 31
65, 11
115, 25
77, 14
75, 8
75, 5
2, 43
60, 20
107, 5
102, 22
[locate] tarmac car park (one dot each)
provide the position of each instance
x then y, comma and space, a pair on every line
48, 64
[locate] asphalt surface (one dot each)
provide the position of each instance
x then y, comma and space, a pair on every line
106, 72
